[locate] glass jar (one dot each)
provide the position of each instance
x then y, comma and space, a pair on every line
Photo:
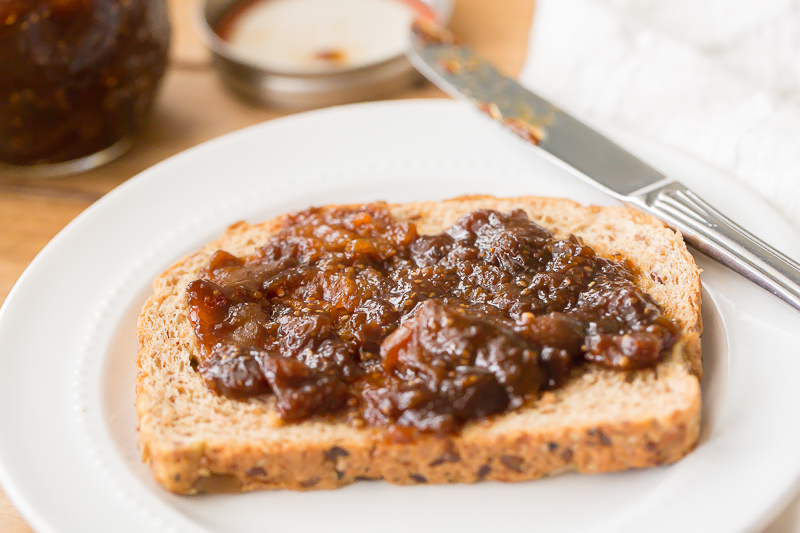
77, 80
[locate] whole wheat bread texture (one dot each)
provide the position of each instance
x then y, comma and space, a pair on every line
602, 420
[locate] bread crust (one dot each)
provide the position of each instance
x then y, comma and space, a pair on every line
601, 421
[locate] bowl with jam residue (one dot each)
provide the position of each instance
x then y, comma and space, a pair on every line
303, 54
77, 80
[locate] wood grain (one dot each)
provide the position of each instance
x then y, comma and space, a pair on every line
193, 108
10, 521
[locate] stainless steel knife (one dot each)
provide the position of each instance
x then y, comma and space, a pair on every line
461, 73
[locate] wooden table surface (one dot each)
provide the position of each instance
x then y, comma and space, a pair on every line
192, 108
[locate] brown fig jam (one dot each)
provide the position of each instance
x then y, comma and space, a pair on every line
76, 76
348, 310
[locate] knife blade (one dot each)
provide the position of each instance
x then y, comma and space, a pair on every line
462, 73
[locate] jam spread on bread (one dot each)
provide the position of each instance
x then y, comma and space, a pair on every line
347, 310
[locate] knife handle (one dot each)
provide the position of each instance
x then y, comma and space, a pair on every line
722, 239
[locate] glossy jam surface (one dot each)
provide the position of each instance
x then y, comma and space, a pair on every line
76, 76
350, 310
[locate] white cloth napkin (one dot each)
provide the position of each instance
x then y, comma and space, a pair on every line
719, 79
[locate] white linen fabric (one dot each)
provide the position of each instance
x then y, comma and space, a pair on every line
719, 79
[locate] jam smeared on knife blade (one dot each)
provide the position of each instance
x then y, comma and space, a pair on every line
348, 310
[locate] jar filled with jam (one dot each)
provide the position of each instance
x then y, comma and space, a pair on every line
77, 80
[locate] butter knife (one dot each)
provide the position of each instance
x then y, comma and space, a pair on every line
461, 73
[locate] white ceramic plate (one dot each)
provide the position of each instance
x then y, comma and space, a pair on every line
68, 457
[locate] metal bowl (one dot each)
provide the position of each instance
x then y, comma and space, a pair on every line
302, 90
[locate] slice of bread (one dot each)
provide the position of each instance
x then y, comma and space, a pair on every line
602, 420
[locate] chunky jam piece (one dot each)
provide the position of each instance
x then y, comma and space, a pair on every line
350, 310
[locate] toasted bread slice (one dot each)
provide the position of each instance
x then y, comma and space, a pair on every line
600, 421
